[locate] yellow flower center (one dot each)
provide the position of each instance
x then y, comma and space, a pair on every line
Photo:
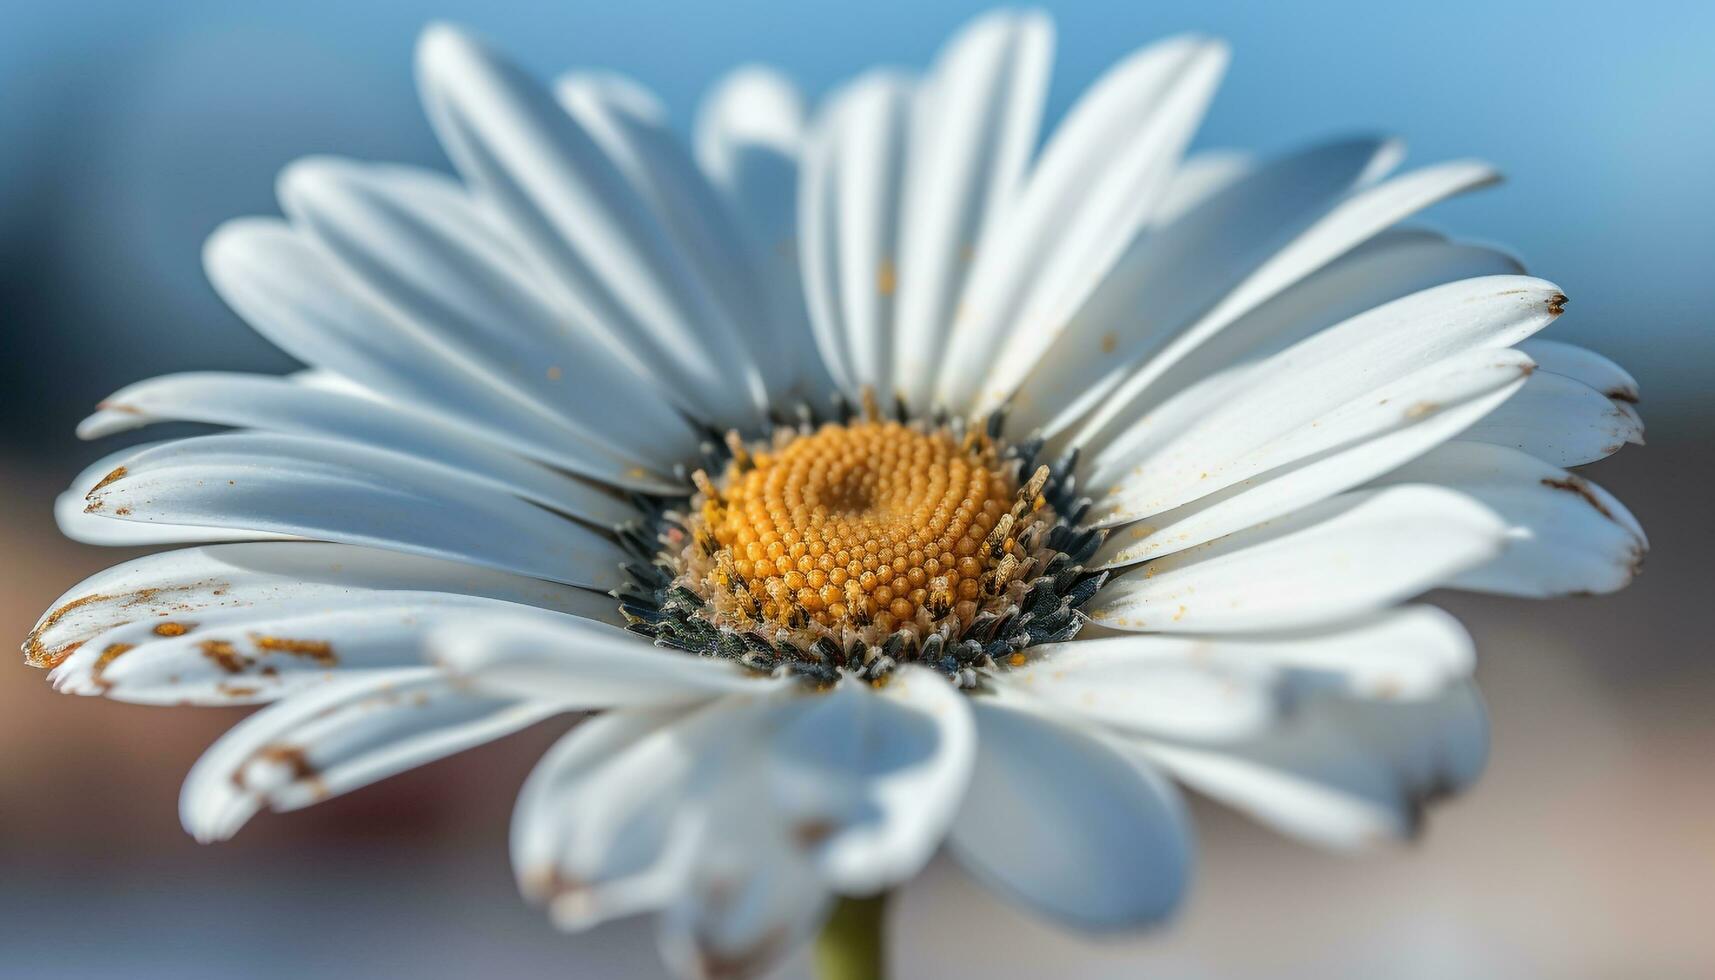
866, 527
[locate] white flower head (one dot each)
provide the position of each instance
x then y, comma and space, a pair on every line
886, 478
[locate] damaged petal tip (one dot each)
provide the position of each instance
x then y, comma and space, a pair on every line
117, 474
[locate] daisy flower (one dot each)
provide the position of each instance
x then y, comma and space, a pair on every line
872, 480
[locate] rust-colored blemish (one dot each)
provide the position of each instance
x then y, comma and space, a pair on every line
810, 833
294, 759
320, 651
1421, 409
119, 407
111, 653
48, 660
117, 474
886, 278
551, 885
1622, 395
1557, 304
123, 511
1110, 343
36, 654
224, 655
237, 690
555, 373
1572, 484
170, 628
742, 963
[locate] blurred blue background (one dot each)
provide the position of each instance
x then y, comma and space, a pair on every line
128, 131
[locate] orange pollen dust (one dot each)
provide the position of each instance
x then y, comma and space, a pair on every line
870, 526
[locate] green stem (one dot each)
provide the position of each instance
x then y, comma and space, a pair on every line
850, 946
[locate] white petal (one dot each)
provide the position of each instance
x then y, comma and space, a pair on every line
1349, 445
974, 128
76, 520
1391, 266
280, 405
1176, 272
593, 238
318, 488
476, 308
638, 810
1146, 436
870, 781
1565, 535
289, 291
1178, 687
249, 656
1404, 654
607, 821
1069, 828
1341, 557
1583, 365
1201, 176
578, 664
750, 897
1220, 687
848, 204
188, 585
1093, 188
749, 132
335, 738
1355, 220
1560, 420
753, 108
1330, 369
1344, 773
632, 127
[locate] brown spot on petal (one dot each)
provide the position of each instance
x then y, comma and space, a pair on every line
1572, 484
810, 833
1557, 304
886, 278
112, 653
117, 474
224, 655
36, 653
746, 962
320, 651
566, 895
173, 629
294, 759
